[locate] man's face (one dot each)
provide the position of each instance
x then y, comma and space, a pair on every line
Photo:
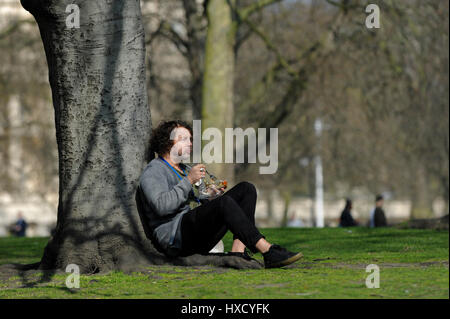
182, 147
379, 203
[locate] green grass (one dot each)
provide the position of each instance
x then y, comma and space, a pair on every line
413, 264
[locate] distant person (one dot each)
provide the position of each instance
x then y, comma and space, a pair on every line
377, 216
20, 227
346, 216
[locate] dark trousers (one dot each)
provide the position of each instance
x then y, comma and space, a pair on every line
203, 226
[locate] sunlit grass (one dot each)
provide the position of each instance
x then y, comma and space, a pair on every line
413, 264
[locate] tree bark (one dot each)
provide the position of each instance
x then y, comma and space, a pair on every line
217, 109
195, 54
97, 76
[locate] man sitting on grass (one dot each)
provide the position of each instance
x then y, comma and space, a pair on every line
181, 223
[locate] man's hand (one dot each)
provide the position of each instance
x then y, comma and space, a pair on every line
214, 192
196, 173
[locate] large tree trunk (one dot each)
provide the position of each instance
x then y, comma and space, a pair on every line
217, 109
102, 118
97, 76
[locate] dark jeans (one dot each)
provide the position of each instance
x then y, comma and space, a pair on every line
203, 226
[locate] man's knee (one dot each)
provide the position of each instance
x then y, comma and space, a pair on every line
226, 201
249, 187
228, 206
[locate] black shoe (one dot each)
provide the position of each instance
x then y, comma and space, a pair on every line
277, 256
244, 255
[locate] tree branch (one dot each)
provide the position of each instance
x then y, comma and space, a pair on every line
166, 30
271, 47
154, 35
258, 5
299, 77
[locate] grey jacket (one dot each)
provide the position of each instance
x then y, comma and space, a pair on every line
167, 200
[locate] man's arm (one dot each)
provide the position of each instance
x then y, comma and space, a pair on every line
163, 200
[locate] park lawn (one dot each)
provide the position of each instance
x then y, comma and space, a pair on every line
412, 263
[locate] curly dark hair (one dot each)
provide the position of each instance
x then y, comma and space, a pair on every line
160, 141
